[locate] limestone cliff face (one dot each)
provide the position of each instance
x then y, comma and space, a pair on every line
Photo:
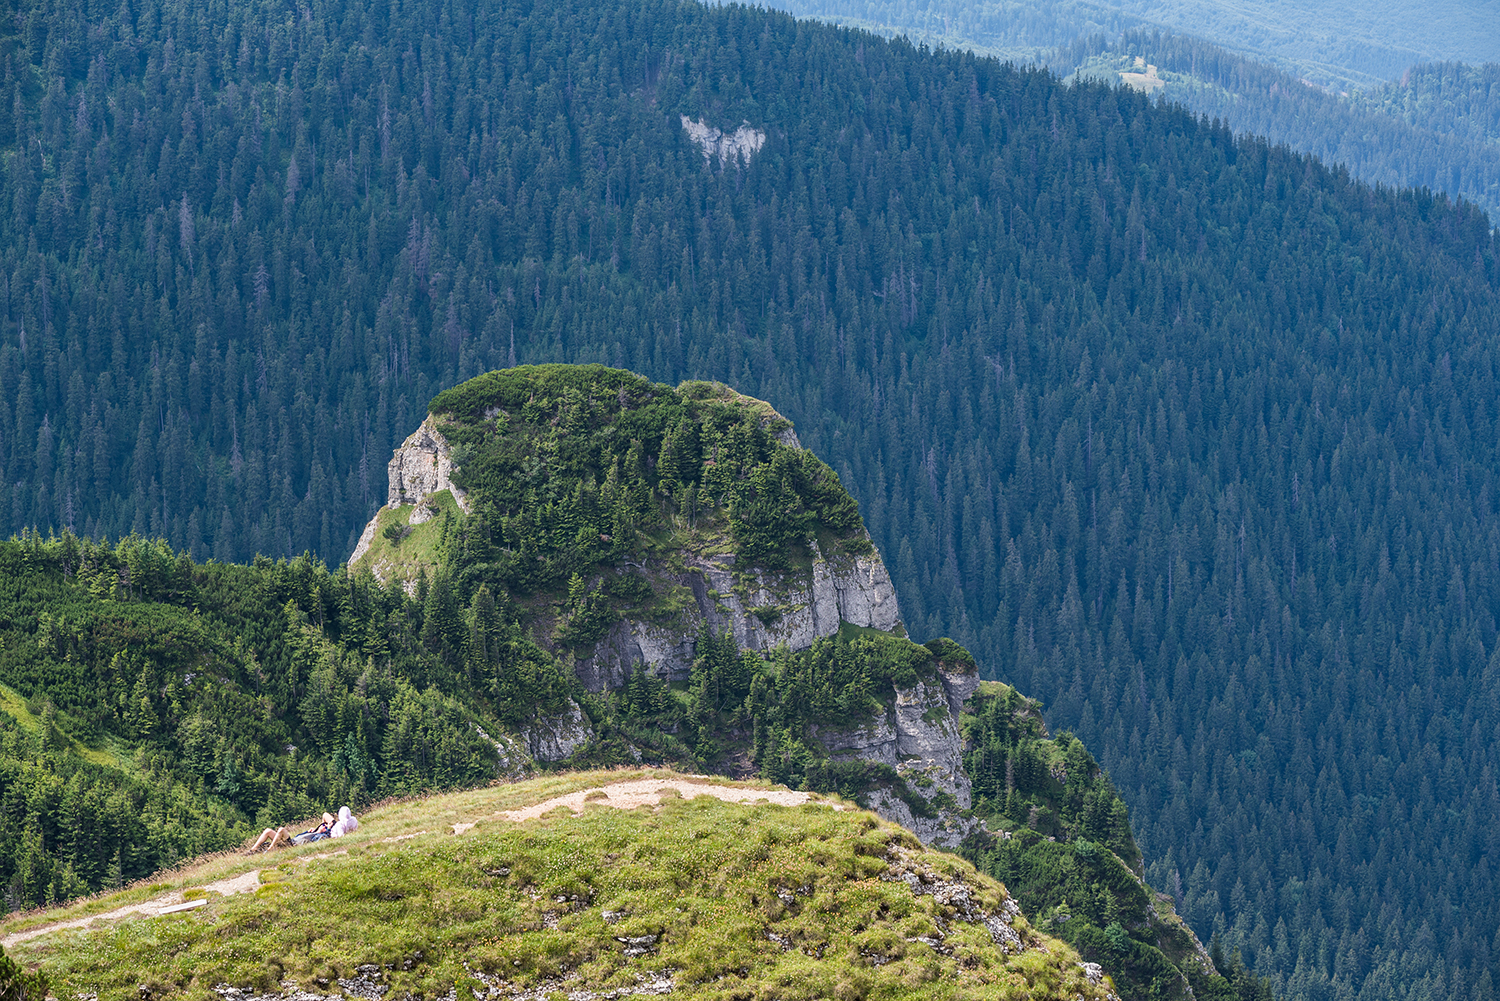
730, 147
769, 611
555, 738
421, 467
919, 737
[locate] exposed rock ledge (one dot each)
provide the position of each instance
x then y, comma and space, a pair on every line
857, 590
741, 144
421, 467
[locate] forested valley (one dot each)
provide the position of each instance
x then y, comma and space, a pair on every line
1189, 437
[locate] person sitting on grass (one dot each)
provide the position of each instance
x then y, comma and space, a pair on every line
280, 836
345, 824
329, 828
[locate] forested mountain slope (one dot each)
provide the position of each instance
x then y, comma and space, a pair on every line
1340, 46
1456, 98
1010, 30
1427, 130
1337, 42
1192, 438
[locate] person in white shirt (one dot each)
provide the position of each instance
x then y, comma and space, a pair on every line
345, 824
329, 828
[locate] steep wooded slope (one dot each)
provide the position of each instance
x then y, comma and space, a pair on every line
1336, 45
1452, 97
1425, 131
1174, 429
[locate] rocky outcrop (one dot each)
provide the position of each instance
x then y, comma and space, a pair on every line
554, 738
929, 744
665, 651
960, 682
919, 737
762, 611
511, 760
943, 828
366, 539
875, 741
739, 145
959, 902
420, 467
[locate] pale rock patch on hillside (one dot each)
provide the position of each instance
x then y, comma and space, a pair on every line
741, 144
168, 903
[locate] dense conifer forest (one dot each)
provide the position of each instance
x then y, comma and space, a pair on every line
1456, 98
1434, 128
1191, 437
1335, 46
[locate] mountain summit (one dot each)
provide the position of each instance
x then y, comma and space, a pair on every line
708, 591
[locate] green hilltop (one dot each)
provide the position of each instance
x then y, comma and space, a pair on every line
676, 893
571, 469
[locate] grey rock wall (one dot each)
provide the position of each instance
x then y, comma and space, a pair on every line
730, 147
946, 830
919, 737
420, 467
793, 612
554, 738
876, 741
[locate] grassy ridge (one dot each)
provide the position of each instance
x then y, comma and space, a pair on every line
725, 900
